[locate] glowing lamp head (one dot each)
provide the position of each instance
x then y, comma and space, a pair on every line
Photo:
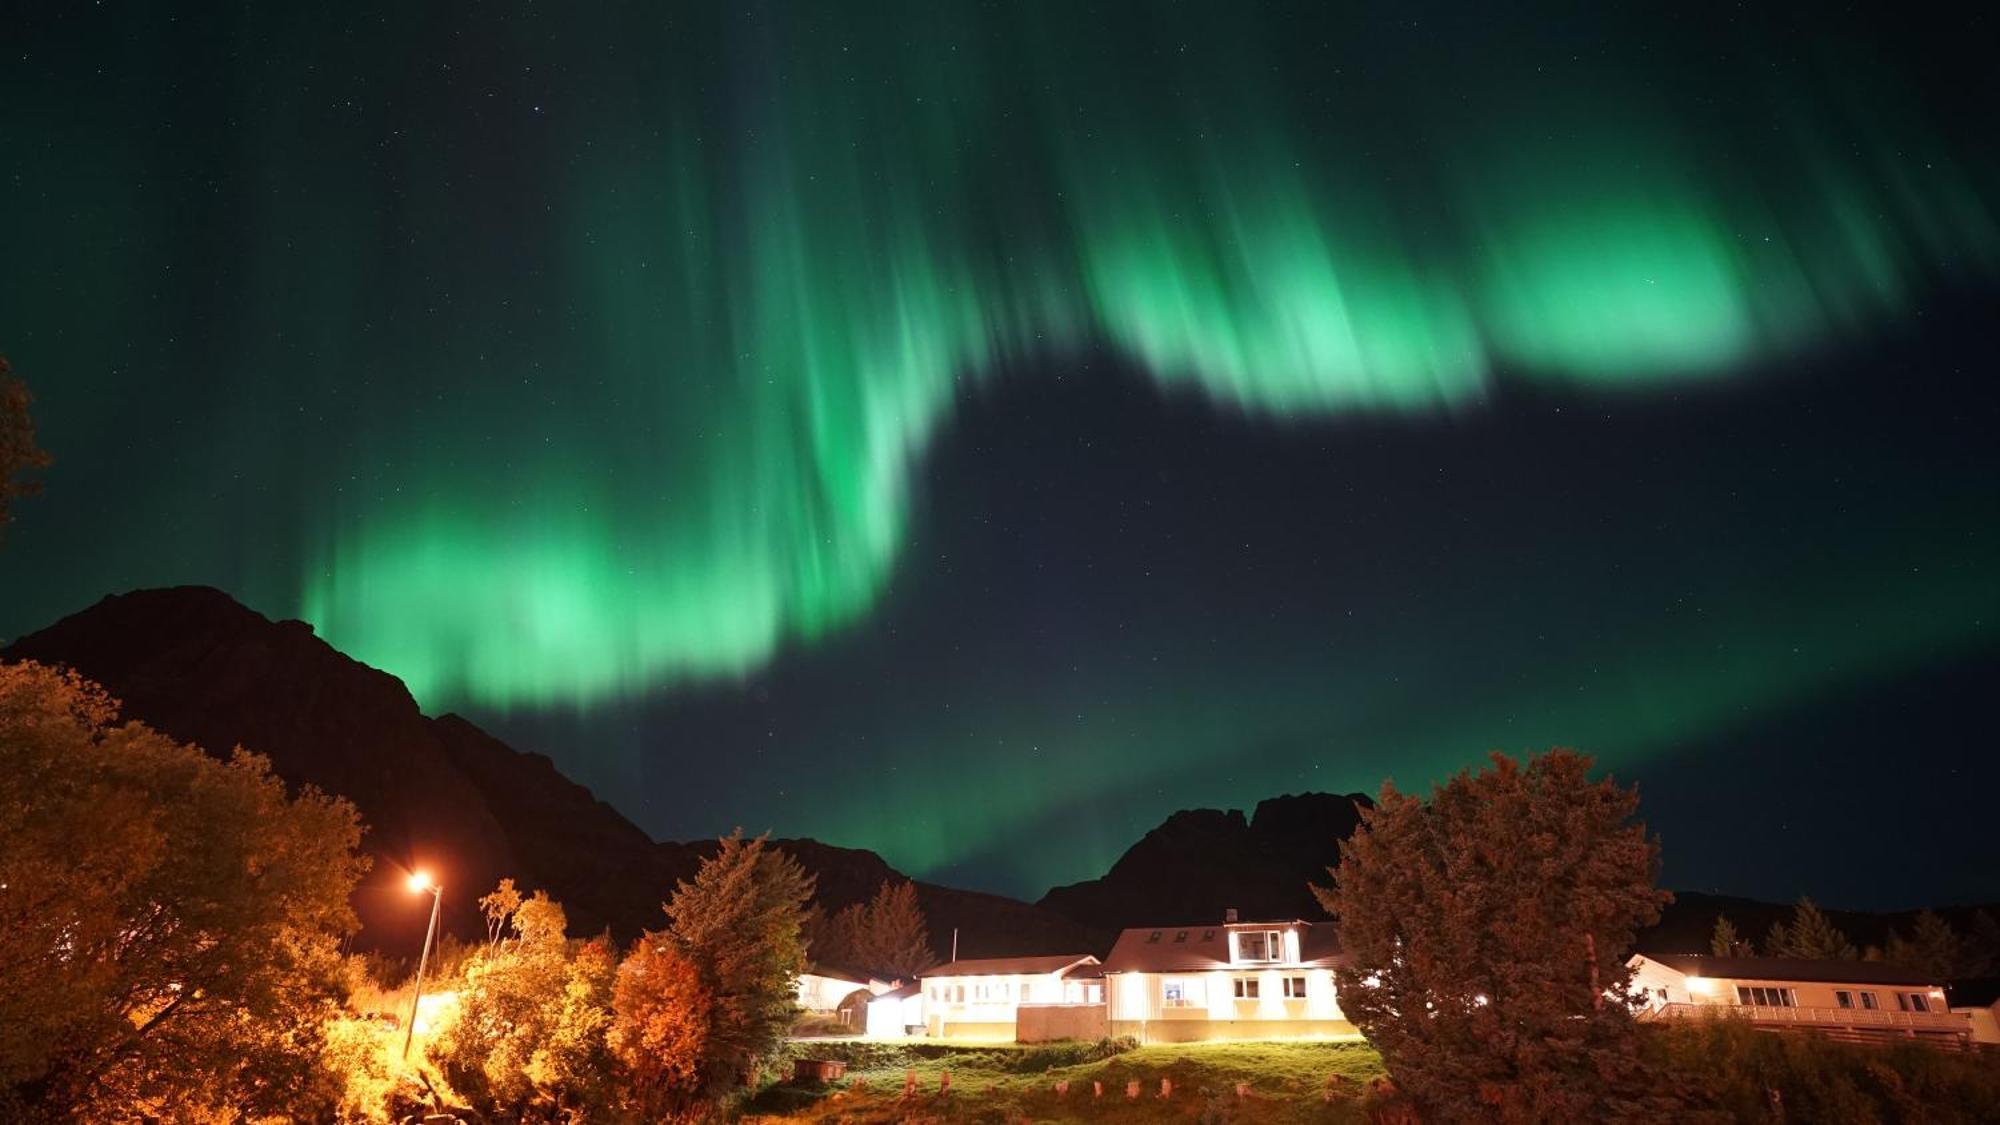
420, 881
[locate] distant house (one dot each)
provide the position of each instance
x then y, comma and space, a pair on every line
979, 999
1233, 980
1854, 1000
1978, 1001
826, 991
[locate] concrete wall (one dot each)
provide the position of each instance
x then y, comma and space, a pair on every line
1042, 1023
982, 1032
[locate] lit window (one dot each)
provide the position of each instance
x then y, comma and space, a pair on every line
1180, 936
1246, 988
1295, 988
1174, 993
1260, 945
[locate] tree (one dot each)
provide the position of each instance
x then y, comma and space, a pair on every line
18, 451
659, 1031
1934, 948
499, 906
1981, 949
532, 1016
1487, 929
1811, 936
170, 925
1724, 942
886, 935
738, 921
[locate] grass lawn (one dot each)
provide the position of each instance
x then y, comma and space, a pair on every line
1008, 1082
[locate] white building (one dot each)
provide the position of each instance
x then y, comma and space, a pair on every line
1978, 1001
1236, 980
978, 999
1855, 1000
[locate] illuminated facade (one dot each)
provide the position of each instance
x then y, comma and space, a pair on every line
1236, 980
1854, 1000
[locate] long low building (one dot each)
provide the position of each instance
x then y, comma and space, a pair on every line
981, 999
1853, 1000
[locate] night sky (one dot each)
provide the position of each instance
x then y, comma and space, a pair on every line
973, 431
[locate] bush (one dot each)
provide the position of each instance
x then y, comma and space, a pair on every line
1729, 1070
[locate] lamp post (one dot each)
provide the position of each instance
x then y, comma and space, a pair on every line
421, 881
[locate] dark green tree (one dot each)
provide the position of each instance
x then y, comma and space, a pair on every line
1933, 948
1724, 942
886, 935
738, 921
1488, 930
1811, 935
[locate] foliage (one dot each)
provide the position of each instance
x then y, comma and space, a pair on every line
886, 936
660, 1029
1287, 1082
532, 1016
1724, 942
1730, 1071
1933, 948
169, 928
1811, 935
1486, 928
18, 451
498, 906
739, 922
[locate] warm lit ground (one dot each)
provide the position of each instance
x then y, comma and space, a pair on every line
1286, 1082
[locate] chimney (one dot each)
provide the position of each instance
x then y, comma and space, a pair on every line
1229, 916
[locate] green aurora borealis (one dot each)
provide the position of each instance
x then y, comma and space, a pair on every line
559, 362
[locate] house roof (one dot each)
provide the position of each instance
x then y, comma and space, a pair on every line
1203, 948
1790, 968
1009, 966
903, 993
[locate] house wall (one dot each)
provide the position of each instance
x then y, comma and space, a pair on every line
891, 1018
982, 1007
1043, 1023
1985, 1022
823, 994
1211, 996
1206, 1030
1680, 989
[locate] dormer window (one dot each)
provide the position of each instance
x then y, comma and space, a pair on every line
1153, 938
1260, 945
1180, 936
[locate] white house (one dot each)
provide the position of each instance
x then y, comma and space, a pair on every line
1979, 1002
1234, 980
1856, 1000
978, 999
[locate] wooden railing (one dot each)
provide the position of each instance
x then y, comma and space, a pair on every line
1814, 1017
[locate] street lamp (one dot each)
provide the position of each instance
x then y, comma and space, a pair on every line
420, 882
